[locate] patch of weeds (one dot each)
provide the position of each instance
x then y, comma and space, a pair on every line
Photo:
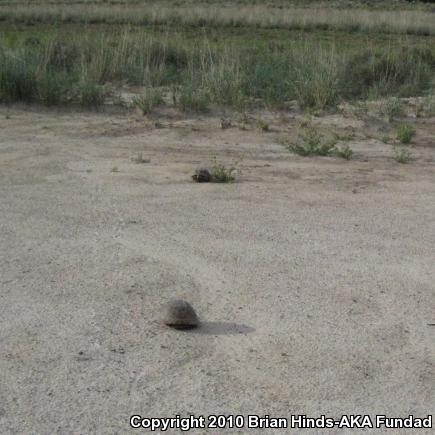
402, 155
192, 99
18, 80
360, 109
344, 152
90, 94
405, 133
312, 142
221, 173
344, 136
386, 139
52, 89
226, 123
138, 158
391, 108
148, 100
263, 125
426, 107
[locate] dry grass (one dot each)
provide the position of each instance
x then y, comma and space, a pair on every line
417, 21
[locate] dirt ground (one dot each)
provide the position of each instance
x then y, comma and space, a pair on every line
314, 277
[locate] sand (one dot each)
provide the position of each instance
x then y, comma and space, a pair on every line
313, 277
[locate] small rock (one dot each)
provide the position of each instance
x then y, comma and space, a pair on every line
180, 314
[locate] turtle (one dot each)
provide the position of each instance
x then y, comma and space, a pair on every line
179, 314
202, 175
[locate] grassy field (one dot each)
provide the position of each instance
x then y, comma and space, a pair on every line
195, 55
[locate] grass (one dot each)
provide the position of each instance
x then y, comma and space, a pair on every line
221, 173
344, 152
313, 142
386, 19
402, 155
206, 55
391, 108
405, 133
150, 99
263, 125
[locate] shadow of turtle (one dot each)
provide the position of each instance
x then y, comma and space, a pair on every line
222, 328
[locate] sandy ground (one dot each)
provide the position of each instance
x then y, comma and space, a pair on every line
314, 277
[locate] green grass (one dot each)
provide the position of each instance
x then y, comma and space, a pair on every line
221, 173
405, 133
391, 108
202, 64
313, 142
150, 99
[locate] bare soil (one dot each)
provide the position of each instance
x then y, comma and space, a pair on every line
313, 277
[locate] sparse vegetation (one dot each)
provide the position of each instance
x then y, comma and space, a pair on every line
426, 107
391, 108
221, 173
247, 56
150, 99
90, 94
344, 152
263, 125
402, 155
405, 133
312, 142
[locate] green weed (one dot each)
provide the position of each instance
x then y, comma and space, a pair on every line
221, 173
405, 133
148, 100
402, 155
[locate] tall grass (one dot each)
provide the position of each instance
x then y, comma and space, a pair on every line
81, 69
285, 16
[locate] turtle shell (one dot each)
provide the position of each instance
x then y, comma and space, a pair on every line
202, 176
180, 314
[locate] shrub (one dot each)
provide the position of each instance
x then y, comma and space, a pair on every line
263, 125
391, 108
193, 99
148, 100
222, 174
405, 133
315, 78
345, 152
402, 155
17, 78
52, 89
90, 94
311, 142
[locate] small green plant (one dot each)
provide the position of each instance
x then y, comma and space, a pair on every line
385, 138
405, 133
192, 99
344, 152
402, 155
221, 173
90, 94
311, 142
263, 125
148, 100
360, 109
426, 107
391, 108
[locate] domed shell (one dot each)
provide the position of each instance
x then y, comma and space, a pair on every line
202, 175
180, 314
